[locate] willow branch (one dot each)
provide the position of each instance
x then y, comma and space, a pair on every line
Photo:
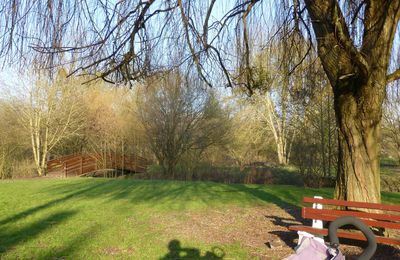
393, 76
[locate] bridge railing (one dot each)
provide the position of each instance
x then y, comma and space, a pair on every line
78, 164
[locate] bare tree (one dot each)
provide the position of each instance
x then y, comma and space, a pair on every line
248, 138
315, 148
178, 116
276, 87
279, 123
50, 112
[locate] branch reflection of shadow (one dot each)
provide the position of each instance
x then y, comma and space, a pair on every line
176, 251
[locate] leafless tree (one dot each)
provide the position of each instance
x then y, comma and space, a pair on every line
49, 111
178, 116
248, 138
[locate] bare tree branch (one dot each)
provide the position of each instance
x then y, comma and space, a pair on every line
334, 39
393, 76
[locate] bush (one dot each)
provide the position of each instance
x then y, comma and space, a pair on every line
390, 183
230, 174
23, 169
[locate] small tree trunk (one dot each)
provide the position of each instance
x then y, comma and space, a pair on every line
281, 151
329, 136
322, 133
358, 120
170, 171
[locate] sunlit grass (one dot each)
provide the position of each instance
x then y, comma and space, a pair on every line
109, 219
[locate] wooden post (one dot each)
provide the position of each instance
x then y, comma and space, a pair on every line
95, 163
65, 169
81, 164
123, 158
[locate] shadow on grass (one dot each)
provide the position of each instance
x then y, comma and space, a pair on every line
49, 204
176, 251
288, 199
177, 193
74, 245
8, 240
165, 195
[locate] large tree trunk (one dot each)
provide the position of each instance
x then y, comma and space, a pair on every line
358, 121
358, 76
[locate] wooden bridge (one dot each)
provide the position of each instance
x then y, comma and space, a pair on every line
95, 165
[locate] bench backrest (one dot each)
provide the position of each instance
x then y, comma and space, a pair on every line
388, 220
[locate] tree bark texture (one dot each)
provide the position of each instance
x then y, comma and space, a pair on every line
358, 76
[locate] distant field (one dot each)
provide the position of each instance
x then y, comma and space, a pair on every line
130, 219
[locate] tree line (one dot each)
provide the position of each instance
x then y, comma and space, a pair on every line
353, 43
179, 123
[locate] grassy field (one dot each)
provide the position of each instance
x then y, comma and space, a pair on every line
124, 219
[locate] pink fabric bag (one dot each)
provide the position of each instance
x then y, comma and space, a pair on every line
310, 249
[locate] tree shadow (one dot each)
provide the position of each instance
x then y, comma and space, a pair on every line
9, 240
49, 204
176, 251
168, 194
72, 246
173, 194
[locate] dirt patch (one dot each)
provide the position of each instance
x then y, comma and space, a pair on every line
252, 228
116, 251
262, 231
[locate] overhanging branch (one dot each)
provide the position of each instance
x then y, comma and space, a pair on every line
332, 33
393, 76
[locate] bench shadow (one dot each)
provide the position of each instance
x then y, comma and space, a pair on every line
176, 251
293, 210
347, 245
287, 236
353, 248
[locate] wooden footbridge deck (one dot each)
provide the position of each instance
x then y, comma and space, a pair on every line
92, 165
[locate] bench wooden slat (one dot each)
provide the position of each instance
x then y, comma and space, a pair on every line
358, 214
355, 204
319, 214
343, 234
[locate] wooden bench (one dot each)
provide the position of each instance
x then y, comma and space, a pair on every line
389, 219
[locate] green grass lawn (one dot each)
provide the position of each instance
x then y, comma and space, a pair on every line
112, 219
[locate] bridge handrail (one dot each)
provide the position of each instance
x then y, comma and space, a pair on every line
83, 163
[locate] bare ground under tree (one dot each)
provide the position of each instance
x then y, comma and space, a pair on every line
262, 231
